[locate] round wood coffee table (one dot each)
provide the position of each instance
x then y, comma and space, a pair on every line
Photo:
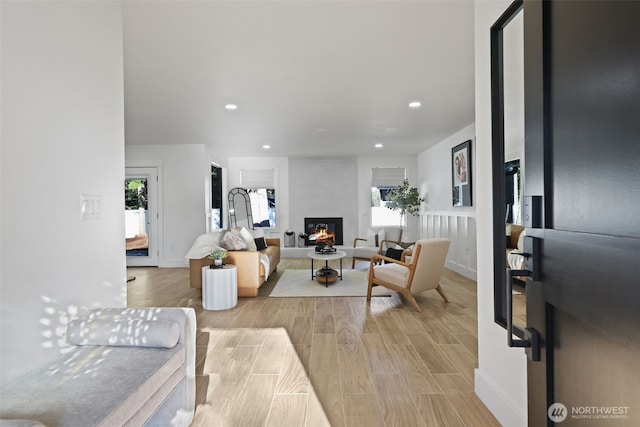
326, 274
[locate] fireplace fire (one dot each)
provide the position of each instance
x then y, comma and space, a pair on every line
323, 230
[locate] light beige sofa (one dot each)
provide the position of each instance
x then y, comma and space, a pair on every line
251, 271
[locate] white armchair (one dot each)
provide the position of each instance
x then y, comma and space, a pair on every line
417, 273
375, 243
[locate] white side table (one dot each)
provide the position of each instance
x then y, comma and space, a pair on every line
219, 287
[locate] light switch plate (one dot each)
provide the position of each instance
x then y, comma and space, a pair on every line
90, 206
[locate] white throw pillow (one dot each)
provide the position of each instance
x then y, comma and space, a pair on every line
381, 236
248, 238
257, 233
371, 238
127, 333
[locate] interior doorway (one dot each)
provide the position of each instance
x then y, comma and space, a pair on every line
141, 216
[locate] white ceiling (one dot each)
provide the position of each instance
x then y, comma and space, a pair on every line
309, 77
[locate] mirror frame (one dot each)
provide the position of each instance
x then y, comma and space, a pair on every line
497, 163
237, 191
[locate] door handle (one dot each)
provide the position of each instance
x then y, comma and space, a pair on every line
531, 337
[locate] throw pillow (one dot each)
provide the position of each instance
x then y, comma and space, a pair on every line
261, 243
232, 242
257, 233
372, 238
381, 237
246, 235
394, 253
127, 333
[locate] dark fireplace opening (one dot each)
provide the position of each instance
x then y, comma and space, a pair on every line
323, 230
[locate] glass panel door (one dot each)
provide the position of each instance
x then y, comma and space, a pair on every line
141, 217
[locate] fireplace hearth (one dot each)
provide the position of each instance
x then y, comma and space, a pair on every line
323, 230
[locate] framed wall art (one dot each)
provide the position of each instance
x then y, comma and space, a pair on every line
461, 174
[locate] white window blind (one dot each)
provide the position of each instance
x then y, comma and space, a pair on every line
387, 177
257, 178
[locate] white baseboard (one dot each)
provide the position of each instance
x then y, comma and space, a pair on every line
469, 274
173, 263
503, 408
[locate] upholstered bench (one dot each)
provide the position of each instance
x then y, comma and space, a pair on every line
125, 366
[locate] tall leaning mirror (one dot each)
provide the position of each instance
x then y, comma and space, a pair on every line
507, 115
240, 209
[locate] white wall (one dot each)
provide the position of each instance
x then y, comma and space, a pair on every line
500, 380
62, 135
185, 171
439, 218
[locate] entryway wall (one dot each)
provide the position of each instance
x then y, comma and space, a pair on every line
439, 218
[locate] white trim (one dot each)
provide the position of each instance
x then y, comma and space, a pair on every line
503, 408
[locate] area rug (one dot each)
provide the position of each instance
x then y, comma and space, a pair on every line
298, 283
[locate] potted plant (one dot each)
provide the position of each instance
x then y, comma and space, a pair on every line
217, 255
405, 199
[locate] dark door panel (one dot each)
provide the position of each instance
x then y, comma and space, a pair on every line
582, 144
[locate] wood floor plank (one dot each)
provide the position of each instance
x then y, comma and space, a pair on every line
316, 416
271, 355
324, 354
355, 376
302, 330
379, 355
347, 329
288, 410
326, 387
470, 342
362, 410
236, 368
437, 411
431, 354
409, 323
464, 362
472, 411
453, 383
396, 403
434, 326
293, 378
390, 330
254, 402
416, 373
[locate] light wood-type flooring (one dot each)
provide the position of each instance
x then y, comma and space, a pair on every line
369, 364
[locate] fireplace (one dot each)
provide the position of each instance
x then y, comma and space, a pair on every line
323, 230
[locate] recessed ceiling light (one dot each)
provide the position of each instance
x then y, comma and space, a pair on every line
231, 107
415, 104
266, 147
378, 145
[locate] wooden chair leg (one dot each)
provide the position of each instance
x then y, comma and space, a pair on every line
442, 294
353, 263
407, 294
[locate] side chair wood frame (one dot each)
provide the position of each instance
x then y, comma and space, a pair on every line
405, 292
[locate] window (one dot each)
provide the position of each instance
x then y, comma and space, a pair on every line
384, 180
260, 184
216, 197
263, 206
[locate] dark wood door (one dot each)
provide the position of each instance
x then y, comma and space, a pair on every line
582, 156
